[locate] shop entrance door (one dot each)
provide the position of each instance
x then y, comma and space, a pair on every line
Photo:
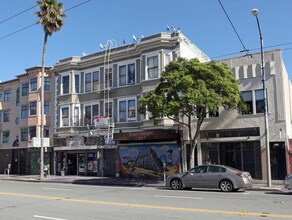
72, 164
278, 161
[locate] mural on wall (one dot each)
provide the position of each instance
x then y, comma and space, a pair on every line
149, 160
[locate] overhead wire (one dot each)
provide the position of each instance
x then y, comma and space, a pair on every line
13, 16
24, 28
234, 29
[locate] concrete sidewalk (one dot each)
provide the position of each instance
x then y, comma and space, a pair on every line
121, 181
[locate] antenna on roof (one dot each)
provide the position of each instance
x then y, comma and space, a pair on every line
134, 38
101, 46
124, 41
169, 28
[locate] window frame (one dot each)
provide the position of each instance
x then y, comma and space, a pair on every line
31, 106
63, 85
62, 124
33, 84
90, 121
25, 89
5, 137
126, 100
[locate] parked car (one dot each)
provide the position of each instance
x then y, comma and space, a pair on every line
287, 183
211, 176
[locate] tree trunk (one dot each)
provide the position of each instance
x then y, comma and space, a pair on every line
42, 108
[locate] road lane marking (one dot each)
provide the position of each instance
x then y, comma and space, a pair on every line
178, 197
169, 208
58, 189
46, 217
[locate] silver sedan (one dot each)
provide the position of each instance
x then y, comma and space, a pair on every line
211, 176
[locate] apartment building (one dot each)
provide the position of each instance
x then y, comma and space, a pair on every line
106, 86
237, 139
20, 121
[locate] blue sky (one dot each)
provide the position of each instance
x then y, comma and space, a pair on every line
96, 21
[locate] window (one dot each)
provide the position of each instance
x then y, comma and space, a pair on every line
32, 132
108, 78
46, 107
65, 116
1, 96
90, 112
122, 75
24, 134
24, 111
95, 80
33, 108
152, 67
131, 109
247, 98
33, 85
65, 84
215, 169
260, 102
0, 116
17, 96
6, 116
122, 111
76, 116
7, 96
24, 89
127, 110
108, 109
87, 82
6, 135
77, 83
199, 169
47, 84
131, 73
46, 131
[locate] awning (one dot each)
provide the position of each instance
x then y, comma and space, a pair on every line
93, 147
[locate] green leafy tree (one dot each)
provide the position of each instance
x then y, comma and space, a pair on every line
188, 91
50, 16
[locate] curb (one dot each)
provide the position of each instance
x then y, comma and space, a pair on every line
137, 184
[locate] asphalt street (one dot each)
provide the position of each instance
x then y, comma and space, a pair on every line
57, 201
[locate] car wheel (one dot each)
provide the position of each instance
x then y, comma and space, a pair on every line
176, 184
226, 186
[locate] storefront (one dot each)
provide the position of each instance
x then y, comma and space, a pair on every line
241, 155
149, 154
86, 160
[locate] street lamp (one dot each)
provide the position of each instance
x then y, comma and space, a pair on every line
255, 13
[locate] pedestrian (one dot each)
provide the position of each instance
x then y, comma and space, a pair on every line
46, 170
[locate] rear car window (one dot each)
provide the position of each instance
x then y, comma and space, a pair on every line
215, 169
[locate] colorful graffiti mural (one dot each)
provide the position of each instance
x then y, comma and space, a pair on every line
149, 161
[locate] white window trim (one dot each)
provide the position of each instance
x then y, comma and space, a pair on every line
63, 75
126, 63
91, 71
61, 112
78, 84
127, 110
79, 113
90, 104
148, 55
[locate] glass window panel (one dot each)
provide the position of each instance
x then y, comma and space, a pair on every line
65, 84
131, 109
87, 82
247, 98
33, 85
260, 103
24, 134
24, 89
77, 83
33, 108
131, 73
95, 79
122, 111
65, 116
122, 75
24, 111
47, 84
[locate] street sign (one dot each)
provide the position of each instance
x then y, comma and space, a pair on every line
36, 142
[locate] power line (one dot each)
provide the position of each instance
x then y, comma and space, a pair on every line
13, 16
244, 48
24, 28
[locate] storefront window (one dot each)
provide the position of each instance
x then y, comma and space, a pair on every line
91, 163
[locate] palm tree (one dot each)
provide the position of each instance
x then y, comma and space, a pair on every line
50, 16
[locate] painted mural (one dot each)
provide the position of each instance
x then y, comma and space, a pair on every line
149, 160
